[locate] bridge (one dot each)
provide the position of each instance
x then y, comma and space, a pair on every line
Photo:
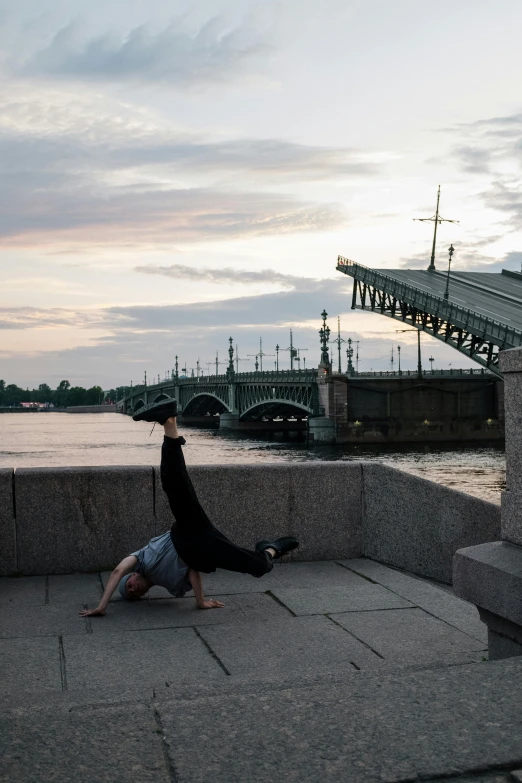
477, 313
285, 398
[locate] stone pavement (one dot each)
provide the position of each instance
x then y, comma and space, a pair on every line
347, 671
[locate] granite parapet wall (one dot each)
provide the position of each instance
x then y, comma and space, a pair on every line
319, 503
64, 520
418, 525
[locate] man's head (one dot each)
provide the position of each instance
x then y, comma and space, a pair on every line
134, 586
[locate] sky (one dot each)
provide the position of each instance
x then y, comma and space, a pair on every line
177, 173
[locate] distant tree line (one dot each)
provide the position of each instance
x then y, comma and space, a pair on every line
63, 396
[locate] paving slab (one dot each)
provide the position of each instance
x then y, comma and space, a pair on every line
35, 621
437, 601
229, 583
180, 612
369, 729
298, 645
75, 589
117, 659
320, 573
22, 591
27, 664
324, 600
106, 745
400, 634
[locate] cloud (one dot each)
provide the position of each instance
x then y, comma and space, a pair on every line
283, 307
490, 144
224, 276
153, 217
171, 56
88, 178
41, 318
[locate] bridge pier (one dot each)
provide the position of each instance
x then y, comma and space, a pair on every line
229, 421
322, 430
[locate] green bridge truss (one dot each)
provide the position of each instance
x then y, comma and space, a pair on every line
254, 396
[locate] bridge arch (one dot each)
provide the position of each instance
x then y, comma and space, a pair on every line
205, 404
275, 408
138, 404
162, 396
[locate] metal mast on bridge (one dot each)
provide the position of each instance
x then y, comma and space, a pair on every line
436, 219
261, 354
339, 340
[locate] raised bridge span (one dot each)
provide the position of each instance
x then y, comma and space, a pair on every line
481, 315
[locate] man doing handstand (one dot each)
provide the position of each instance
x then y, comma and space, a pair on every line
176, 559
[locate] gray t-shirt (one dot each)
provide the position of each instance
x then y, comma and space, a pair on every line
160, 563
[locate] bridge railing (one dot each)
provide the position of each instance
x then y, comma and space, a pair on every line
498, 333
274, 376
466, 372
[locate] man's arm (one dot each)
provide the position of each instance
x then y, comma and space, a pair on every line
126, 566
197, 585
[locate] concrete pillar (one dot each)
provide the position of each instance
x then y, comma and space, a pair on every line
229, 421
490, 575
322, 430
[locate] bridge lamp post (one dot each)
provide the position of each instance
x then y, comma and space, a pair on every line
431, 360
399, 355
324, 334
446, 292
349, 355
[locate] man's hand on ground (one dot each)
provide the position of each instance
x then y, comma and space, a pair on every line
92, 612
210, 603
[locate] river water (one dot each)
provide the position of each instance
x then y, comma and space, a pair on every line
67, 439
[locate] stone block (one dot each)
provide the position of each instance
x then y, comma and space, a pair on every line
512, 516
392, 727
500, 647
280, 648
33, 621
513, 418
112, 660
30, 664
510, 360
81, 519
319, 503
490, 576
434, 600
418, 525
326, 509
7, 523
501, 626
325, 600
105, 745
406, 634
23, 591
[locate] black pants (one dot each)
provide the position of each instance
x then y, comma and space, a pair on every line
199, 544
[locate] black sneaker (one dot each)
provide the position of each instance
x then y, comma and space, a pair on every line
157, 411
281, 545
